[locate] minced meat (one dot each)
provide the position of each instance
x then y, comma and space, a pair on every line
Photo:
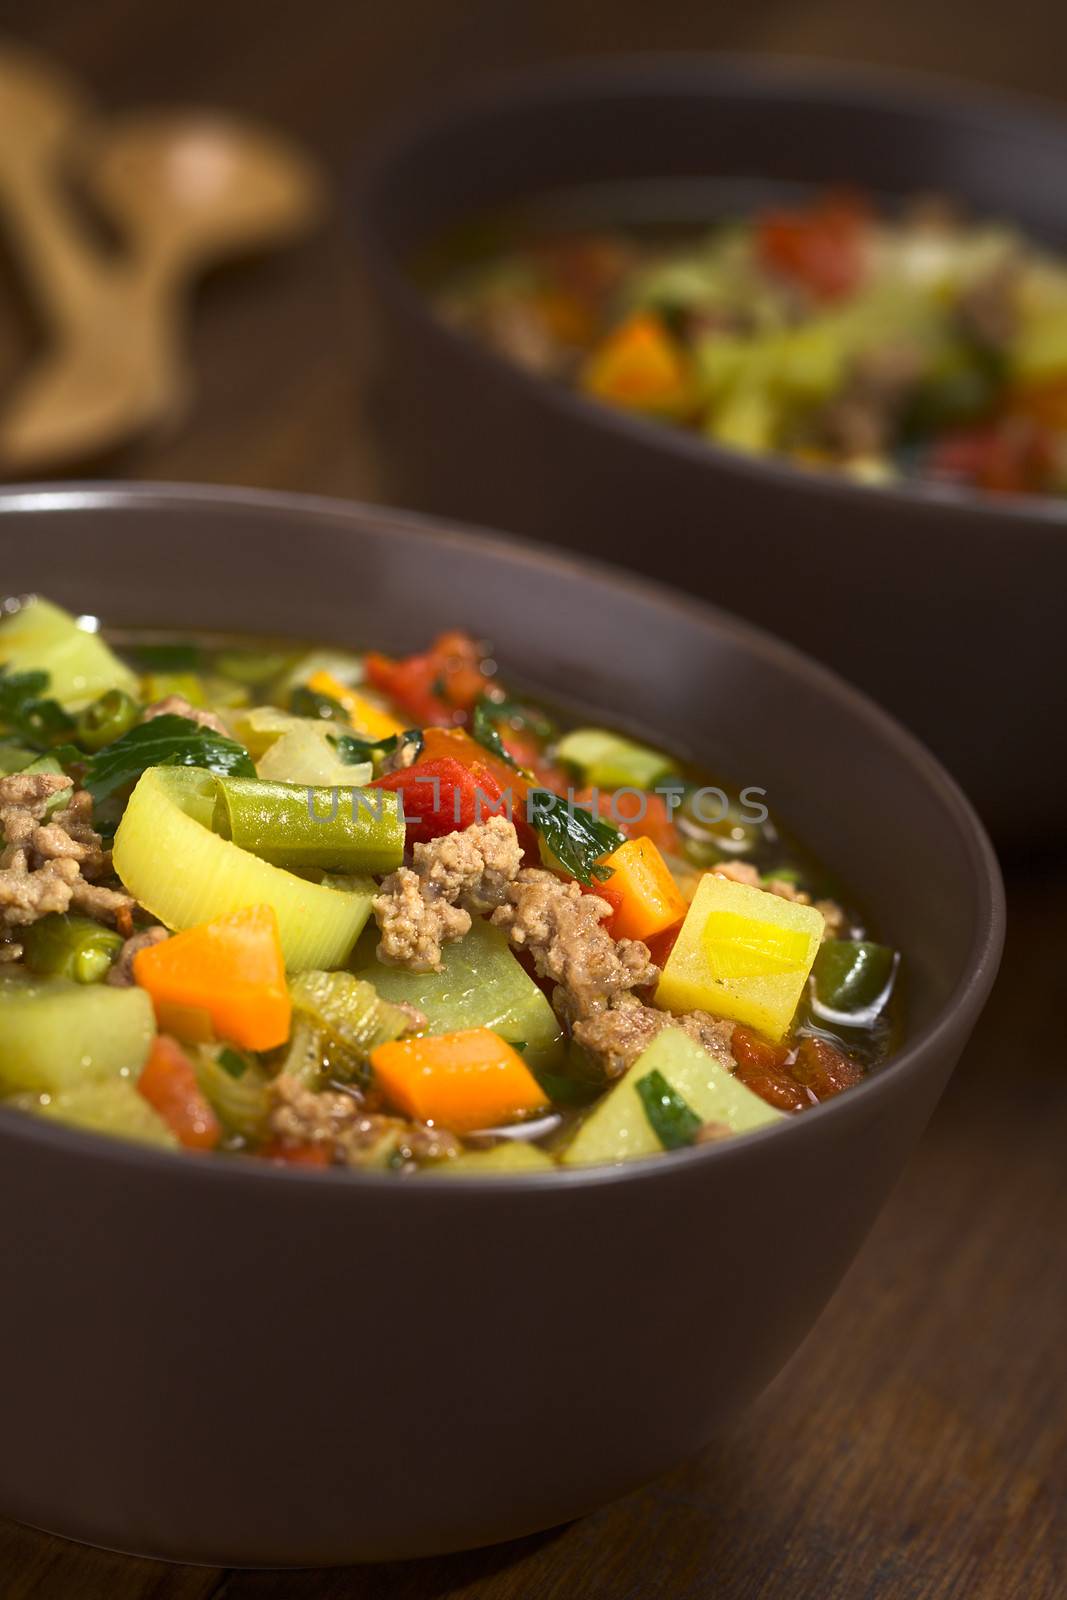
561, 929
47, 866
176, 705
617, 1037
424, 906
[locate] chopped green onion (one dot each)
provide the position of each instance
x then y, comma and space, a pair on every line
70, 947
105, 720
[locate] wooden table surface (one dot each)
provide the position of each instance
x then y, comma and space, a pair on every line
916, 1446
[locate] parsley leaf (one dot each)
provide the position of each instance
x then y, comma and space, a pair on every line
354, 750
305, 702
671, 1118
522, 716
165, 741
573, 835
25, 710
484, 729
232, 1061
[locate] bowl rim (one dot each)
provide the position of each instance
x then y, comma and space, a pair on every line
758, 77
964, 1003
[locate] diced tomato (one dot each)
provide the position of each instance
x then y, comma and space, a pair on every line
296, 1154
606, 890
660, 945
762, 1067
438, 686
168, 1083
822, 246
825, 1070
455, 744
443, 796
1016, 454
1045, 403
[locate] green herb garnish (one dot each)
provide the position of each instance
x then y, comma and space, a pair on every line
232, 1062
672, 1119
484, 729
305, 702
573, 835
354, 751
522, 716
25, 709
166, 741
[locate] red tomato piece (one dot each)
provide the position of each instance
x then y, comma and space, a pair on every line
436, 687
168, 1083
825, 1070
821, 247
762, 1067
442, 796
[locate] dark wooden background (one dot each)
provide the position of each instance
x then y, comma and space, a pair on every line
916, 1446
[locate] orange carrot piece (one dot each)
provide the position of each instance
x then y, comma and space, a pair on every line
231, 969
640, 366
646, 897
462, 1081
168, 1083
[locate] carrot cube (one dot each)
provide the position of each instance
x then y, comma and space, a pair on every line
230, 972
461, 1081
642, 888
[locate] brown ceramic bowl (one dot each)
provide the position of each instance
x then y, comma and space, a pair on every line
949, 609
216, 1362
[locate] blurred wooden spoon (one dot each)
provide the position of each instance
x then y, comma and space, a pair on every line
183, 190
186, 189
41, 112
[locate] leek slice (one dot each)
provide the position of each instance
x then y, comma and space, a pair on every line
338, 1020
344, 665
169, 859
240, 1099
304, 754
41, 637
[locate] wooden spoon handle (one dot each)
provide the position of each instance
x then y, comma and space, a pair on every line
62, 272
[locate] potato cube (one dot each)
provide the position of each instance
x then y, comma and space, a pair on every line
743, 954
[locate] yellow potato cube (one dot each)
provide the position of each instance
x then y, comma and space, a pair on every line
743, 954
